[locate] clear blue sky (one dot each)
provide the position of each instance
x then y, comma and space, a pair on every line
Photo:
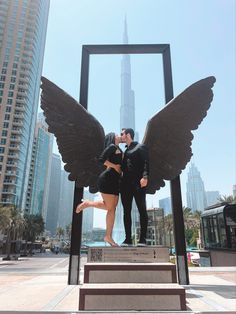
202, 37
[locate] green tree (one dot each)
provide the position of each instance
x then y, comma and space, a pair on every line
60, 232
5, 217
68, 231
12, 226
34, 227
227, 199
168, 226
187, 212
192, 225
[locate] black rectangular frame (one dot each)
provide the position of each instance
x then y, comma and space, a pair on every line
176, 199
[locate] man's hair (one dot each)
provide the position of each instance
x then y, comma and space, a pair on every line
129, 131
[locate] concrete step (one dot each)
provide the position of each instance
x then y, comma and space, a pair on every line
140, 297
148, 254
130, 273
116, 312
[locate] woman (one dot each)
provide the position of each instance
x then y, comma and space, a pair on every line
108, 184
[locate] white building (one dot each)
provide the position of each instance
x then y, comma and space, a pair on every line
196, 195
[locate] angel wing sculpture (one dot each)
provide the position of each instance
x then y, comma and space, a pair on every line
168, 136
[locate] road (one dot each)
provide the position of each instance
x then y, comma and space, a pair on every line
41, 263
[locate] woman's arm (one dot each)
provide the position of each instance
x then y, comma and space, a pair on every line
105, 156
109, 164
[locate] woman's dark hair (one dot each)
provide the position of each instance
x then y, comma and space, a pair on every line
109, 139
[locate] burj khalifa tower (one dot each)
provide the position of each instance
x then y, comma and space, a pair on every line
127, 120
127, 108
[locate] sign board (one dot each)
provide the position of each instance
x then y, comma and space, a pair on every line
149, 254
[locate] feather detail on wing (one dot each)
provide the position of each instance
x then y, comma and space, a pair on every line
80, 137
168, 133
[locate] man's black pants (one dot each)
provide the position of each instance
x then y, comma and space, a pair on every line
128, 192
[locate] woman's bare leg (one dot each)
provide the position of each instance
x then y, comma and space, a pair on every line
110, 203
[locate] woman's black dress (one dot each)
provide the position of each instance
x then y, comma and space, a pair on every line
109, 180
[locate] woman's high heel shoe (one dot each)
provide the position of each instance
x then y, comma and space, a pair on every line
110, 242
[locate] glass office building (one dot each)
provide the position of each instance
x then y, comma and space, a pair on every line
39, 177
23, 25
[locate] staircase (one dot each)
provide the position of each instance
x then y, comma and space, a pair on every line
132, 278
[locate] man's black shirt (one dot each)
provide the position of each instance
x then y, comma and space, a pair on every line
135, 164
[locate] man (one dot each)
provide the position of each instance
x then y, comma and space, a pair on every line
135, 168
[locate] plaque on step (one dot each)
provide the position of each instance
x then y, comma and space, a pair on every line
148, 254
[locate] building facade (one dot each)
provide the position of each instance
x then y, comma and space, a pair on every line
54, 195
88, 218
165, 203
23, 25
155, 231
38, 184
66, 200
234, 190
196, 195
212, 197
127, 108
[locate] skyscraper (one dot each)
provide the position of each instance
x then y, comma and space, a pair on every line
127, 109
196, 195
212, 197
127, 120
66, 200
38, 184
88, 218
165, 203
54, 195
23, 25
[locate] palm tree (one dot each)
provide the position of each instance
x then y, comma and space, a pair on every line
187, 212
60, 232
68, 230
13, 226
34, 227
168, 222
5, 216
227, 199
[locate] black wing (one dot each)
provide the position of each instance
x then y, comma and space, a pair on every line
80, 137
168, 133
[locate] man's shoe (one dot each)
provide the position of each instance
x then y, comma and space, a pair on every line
126, 243
142, 243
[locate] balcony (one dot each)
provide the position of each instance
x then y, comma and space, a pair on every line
21, 101
17, 123
15, 139
7, 201
9, 182
16, 131
21, 94
19, 116
13, 155
20, 108
11, 173
12, 164
14, 147
8, 192
24, 79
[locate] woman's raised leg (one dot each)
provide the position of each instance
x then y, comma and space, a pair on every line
86, 203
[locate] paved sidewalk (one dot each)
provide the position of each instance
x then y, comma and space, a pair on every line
211, 289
